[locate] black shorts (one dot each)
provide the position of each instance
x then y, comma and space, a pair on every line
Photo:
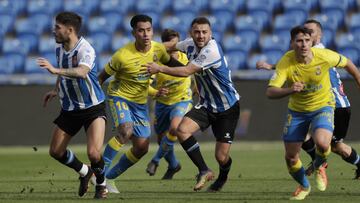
341, 123
223, 124
72, 121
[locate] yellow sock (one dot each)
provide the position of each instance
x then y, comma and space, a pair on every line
115, 144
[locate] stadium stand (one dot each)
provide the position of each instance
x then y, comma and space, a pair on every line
247, 29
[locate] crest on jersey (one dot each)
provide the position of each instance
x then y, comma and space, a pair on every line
155, 58
318, 70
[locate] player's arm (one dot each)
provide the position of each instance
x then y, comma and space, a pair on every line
78, 72
264, 65
103, 76
51, 94
181, 71
352, 70
170, 45
273, 92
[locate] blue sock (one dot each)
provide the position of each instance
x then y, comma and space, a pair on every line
297, 171
111, 150
125, 162
171, 159
164, 147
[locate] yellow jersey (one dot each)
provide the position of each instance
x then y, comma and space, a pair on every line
317, 92
130, 81
179, 87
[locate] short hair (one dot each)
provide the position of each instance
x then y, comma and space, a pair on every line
139, 18
299, 29
201, 20
68, 18
315, 22
169, 34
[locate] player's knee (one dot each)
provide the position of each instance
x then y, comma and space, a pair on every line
93, 155
56, 154
222, 159
125, 132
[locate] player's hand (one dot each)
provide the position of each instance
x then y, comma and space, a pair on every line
263, 65
49, 96
298, 86
45, 64
162, 92
152, 68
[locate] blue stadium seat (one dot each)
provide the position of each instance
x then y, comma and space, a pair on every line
179, 22
31, 40
13, 7
51, 57
232, 42
327, 21
301, 15
217, 35
156, 17
101, 41
86, 7
233, 6
7, 65
274, 43
223, 20
347, 40
334, 4
251, 62
236, 60
49, 7
338, 15
6, 23
17, 59
268, 6
108, 23
328, 37
285, 22
120, 41
193, 6
354, 22
273, 56
35, 24
120, 6
352, 53
157, 6
262, 16
46, 44
302, 5
31, 66
249, 23
15, 46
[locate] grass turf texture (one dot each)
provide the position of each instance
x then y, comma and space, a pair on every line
258, 174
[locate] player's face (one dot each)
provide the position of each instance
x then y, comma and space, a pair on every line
143, 33
61, 33
302, 44
201, 34
316, 32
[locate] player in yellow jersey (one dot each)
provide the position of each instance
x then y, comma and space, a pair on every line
127, 96
169, 110
305, 70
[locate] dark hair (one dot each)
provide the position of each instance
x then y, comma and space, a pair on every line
299, 29
200, 20
315, 22
139, 18
69, 19
169, 34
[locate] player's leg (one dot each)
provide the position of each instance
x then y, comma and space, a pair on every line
95, 132
195, 119
161, 127
322, 130
347, 153
295, 130
124, 129
66, 127
224, 129
309, 146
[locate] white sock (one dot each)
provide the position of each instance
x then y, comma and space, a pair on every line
84, 170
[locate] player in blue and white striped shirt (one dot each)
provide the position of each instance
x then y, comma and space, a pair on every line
82, 102
218, 104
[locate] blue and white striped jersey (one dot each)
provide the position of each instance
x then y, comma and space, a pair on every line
79, 93
337, 86
214, 84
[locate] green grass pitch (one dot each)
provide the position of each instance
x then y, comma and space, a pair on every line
258, 174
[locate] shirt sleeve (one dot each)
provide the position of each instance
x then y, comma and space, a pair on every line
182, 45
335, 59
209, 57
165, 57
279, 77
87, 57
111, 66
